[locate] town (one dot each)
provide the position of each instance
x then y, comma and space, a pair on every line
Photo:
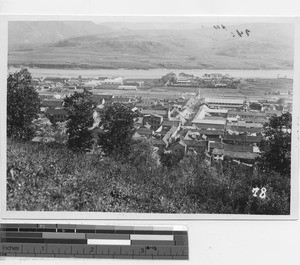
216, 115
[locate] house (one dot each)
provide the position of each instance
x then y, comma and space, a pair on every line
168, 134
136, 83
56, 115
153, 120
143, 132
160, 144
127, 87
245, 157
91, 84
184, 78
171, 122
195, 146
178, 148
218, 124
164, 113
113, 81
243, 129
242, 139
214, 145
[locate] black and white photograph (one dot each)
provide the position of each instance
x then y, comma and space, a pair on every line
164, 115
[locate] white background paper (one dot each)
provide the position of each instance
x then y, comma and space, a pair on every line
210, 242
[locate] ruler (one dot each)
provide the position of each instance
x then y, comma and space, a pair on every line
93, 241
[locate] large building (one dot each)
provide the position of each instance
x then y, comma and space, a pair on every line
227, 103
210, 118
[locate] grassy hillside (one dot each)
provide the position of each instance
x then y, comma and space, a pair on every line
49, 178
267, 47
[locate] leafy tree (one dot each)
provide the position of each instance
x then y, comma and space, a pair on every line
80, 108
276, 145
169, 160
170, 77
118, 128
141, 154
23, 105
255, 106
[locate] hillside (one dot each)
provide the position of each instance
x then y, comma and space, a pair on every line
93, 45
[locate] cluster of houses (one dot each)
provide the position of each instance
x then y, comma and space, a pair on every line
221, 128
57, 84
214, 80
216, 127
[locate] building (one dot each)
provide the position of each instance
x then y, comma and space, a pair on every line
127, 87
244, 157
242, 139
210, 118
113, 81
51, 103
143, 132
246, 114
91, 84
56, 115
227, 103
195, 146
218, 124
164, 113
178, 148
153, 120
184, 78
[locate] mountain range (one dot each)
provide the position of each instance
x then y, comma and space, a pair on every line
85, 44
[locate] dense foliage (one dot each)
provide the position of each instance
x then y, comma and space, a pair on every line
23, 105
43, 177
80, 107
276, 145
118, 128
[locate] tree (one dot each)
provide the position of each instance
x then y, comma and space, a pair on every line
276, 146
169, 160
80, 108
23, 105
118, 128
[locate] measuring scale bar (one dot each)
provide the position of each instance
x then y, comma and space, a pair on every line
86, 241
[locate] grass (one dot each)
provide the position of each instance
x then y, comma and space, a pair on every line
52, 178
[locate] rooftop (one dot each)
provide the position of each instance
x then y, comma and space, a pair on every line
233, 154
56, 111
210, 121
224, 100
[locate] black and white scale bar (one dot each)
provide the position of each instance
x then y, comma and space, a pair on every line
93, 251
88, 241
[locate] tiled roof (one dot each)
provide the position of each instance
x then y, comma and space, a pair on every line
195, 143
232, 154
52, 103
56, 111
244, 129
242, 138
238, 148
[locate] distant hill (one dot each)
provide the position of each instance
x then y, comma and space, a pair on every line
36, 32
115, 45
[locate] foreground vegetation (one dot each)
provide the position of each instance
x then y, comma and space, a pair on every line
42, 177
